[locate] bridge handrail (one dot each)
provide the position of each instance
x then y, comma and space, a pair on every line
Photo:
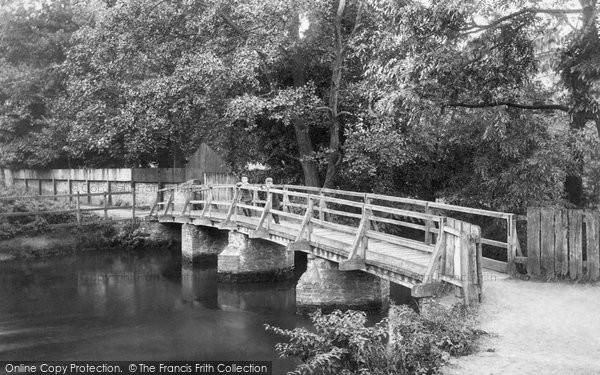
324, 196
314, 202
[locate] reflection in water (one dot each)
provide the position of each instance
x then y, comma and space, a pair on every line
260, 297
199, 284
134, 306
139, 305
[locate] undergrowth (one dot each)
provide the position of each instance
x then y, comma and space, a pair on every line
31, 224
404, 343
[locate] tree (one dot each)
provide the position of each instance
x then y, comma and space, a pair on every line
438, 59
32, 43
142, 90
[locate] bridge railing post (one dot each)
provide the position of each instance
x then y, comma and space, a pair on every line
427, 225
155, 205
188, 198
207, 202
169, 202
261, 231
438, 253
286, 200
306, 225
357, 253
227, 224
322, 206
373, 224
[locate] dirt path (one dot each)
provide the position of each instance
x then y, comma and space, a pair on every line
537, 328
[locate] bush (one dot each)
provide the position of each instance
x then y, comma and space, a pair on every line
133, 236
404, 343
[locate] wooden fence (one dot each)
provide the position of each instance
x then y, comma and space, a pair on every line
563, 243
76, 200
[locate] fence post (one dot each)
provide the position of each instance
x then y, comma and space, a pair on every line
87, 187
133, 200
70, 190
78, 210
109, 191
39, 186
105, 206
466, 267
54, 187
510, 245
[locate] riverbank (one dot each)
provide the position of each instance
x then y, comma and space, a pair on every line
536, 328
71, 240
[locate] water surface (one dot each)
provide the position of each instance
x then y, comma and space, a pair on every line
138, 305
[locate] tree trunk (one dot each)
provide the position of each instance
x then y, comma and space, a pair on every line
583, 50
334, 158
305, 147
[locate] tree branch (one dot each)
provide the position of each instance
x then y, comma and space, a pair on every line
475, 27
541, 106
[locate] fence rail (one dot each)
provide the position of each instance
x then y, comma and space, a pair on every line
78, 210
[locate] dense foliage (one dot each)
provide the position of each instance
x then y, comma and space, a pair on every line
491, 104
405, 343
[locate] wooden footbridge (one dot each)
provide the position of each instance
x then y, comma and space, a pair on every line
397, 239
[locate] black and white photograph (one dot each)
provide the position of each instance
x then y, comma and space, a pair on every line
309, 187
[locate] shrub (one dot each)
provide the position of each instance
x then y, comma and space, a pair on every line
404, 343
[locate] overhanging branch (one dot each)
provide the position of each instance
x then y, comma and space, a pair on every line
475, 27
540, 106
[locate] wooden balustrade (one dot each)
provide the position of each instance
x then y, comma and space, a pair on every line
453, 247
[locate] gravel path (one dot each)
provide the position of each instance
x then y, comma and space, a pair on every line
536, 328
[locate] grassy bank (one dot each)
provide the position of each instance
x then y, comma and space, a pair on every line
28, 236
13, 226
70, 240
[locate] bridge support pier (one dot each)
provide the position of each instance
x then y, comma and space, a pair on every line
323, 286
199, 241
254, 260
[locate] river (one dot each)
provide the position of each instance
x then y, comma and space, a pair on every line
139, 305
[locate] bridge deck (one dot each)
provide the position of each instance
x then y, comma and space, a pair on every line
396, 258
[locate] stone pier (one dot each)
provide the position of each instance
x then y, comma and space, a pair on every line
323, 286
199, 241
254, 260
